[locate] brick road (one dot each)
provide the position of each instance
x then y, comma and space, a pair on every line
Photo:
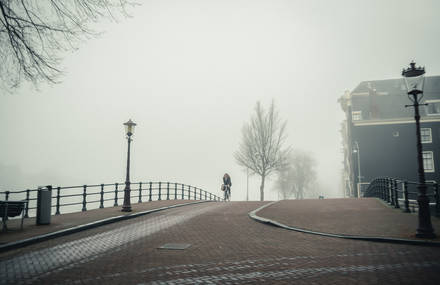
227, 247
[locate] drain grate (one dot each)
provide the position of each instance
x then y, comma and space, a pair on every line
177, 246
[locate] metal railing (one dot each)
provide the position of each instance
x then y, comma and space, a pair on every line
80, 198
403, 193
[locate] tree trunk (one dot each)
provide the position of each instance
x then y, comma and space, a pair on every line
263, 177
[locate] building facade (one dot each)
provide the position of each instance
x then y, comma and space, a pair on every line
379, 133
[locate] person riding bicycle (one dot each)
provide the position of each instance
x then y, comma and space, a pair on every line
227, 185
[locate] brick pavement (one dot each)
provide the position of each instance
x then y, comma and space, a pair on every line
65, 221
227, 247
366, 217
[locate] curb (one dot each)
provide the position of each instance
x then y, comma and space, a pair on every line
257, 218
60, 233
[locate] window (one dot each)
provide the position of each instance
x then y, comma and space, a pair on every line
428, 161
433, 107
426, 135
356, 115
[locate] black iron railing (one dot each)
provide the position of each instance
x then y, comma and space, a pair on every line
403, 193
80, 198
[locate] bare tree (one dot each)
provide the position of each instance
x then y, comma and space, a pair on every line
261, 149
33, 33
298, 178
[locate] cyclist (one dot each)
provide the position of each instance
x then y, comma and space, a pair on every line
227, 186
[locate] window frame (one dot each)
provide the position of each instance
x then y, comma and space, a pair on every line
430, 135
356, 113
432, 159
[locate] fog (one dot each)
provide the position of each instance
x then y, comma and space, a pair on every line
189, 74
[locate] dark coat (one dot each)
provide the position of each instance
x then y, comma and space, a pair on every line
227, 180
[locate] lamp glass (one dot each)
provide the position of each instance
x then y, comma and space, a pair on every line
129, 127
414, 79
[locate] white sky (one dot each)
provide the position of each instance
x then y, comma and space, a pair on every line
189, 74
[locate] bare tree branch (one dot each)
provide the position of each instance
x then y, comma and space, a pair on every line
262, 146
34, 33
298, 178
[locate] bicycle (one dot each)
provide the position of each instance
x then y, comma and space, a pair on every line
227, 193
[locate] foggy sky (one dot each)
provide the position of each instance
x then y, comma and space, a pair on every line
189, 74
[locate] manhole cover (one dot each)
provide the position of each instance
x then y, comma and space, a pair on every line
179, 246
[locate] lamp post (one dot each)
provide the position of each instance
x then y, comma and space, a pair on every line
358, 152
414, 80
129, 130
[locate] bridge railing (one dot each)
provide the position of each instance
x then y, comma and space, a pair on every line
403, 193
68, 199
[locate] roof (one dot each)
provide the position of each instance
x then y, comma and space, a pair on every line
386, 99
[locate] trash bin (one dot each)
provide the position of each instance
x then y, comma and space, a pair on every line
44, 205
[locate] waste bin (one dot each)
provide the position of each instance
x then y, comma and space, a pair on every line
44, 205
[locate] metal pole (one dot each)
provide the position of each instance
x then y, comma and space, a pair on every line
126, 207
424, 229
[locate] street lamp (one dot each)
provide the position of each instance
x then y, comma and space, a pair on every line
129, 130
414, 80
358, 152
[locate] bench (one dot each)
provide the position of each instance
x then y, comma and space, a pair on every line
11, 209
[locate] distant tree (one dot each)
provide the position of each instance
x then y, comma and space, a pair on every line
34, 32
298, 178
262, 147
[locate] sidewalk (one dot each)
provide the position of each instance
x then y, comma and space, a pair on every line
349, 216
66, 221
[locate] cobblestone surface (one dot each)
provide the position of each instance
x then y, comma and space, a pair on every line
227, 247
366, 216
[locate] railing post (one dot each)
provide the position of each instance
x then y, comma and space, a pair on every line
210, 196
175, 191
140, 193
437, 200
388, 187
183, 192
391, 185
101, 200
116, 194
160, 190
84, 198
205, 194
396, 196
189, 192
57, 212
149, 199
7, 196
168, 190
26, 214
405, 195
195, 193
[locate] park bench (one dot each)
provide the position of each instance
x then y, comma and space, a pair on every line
11, 209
